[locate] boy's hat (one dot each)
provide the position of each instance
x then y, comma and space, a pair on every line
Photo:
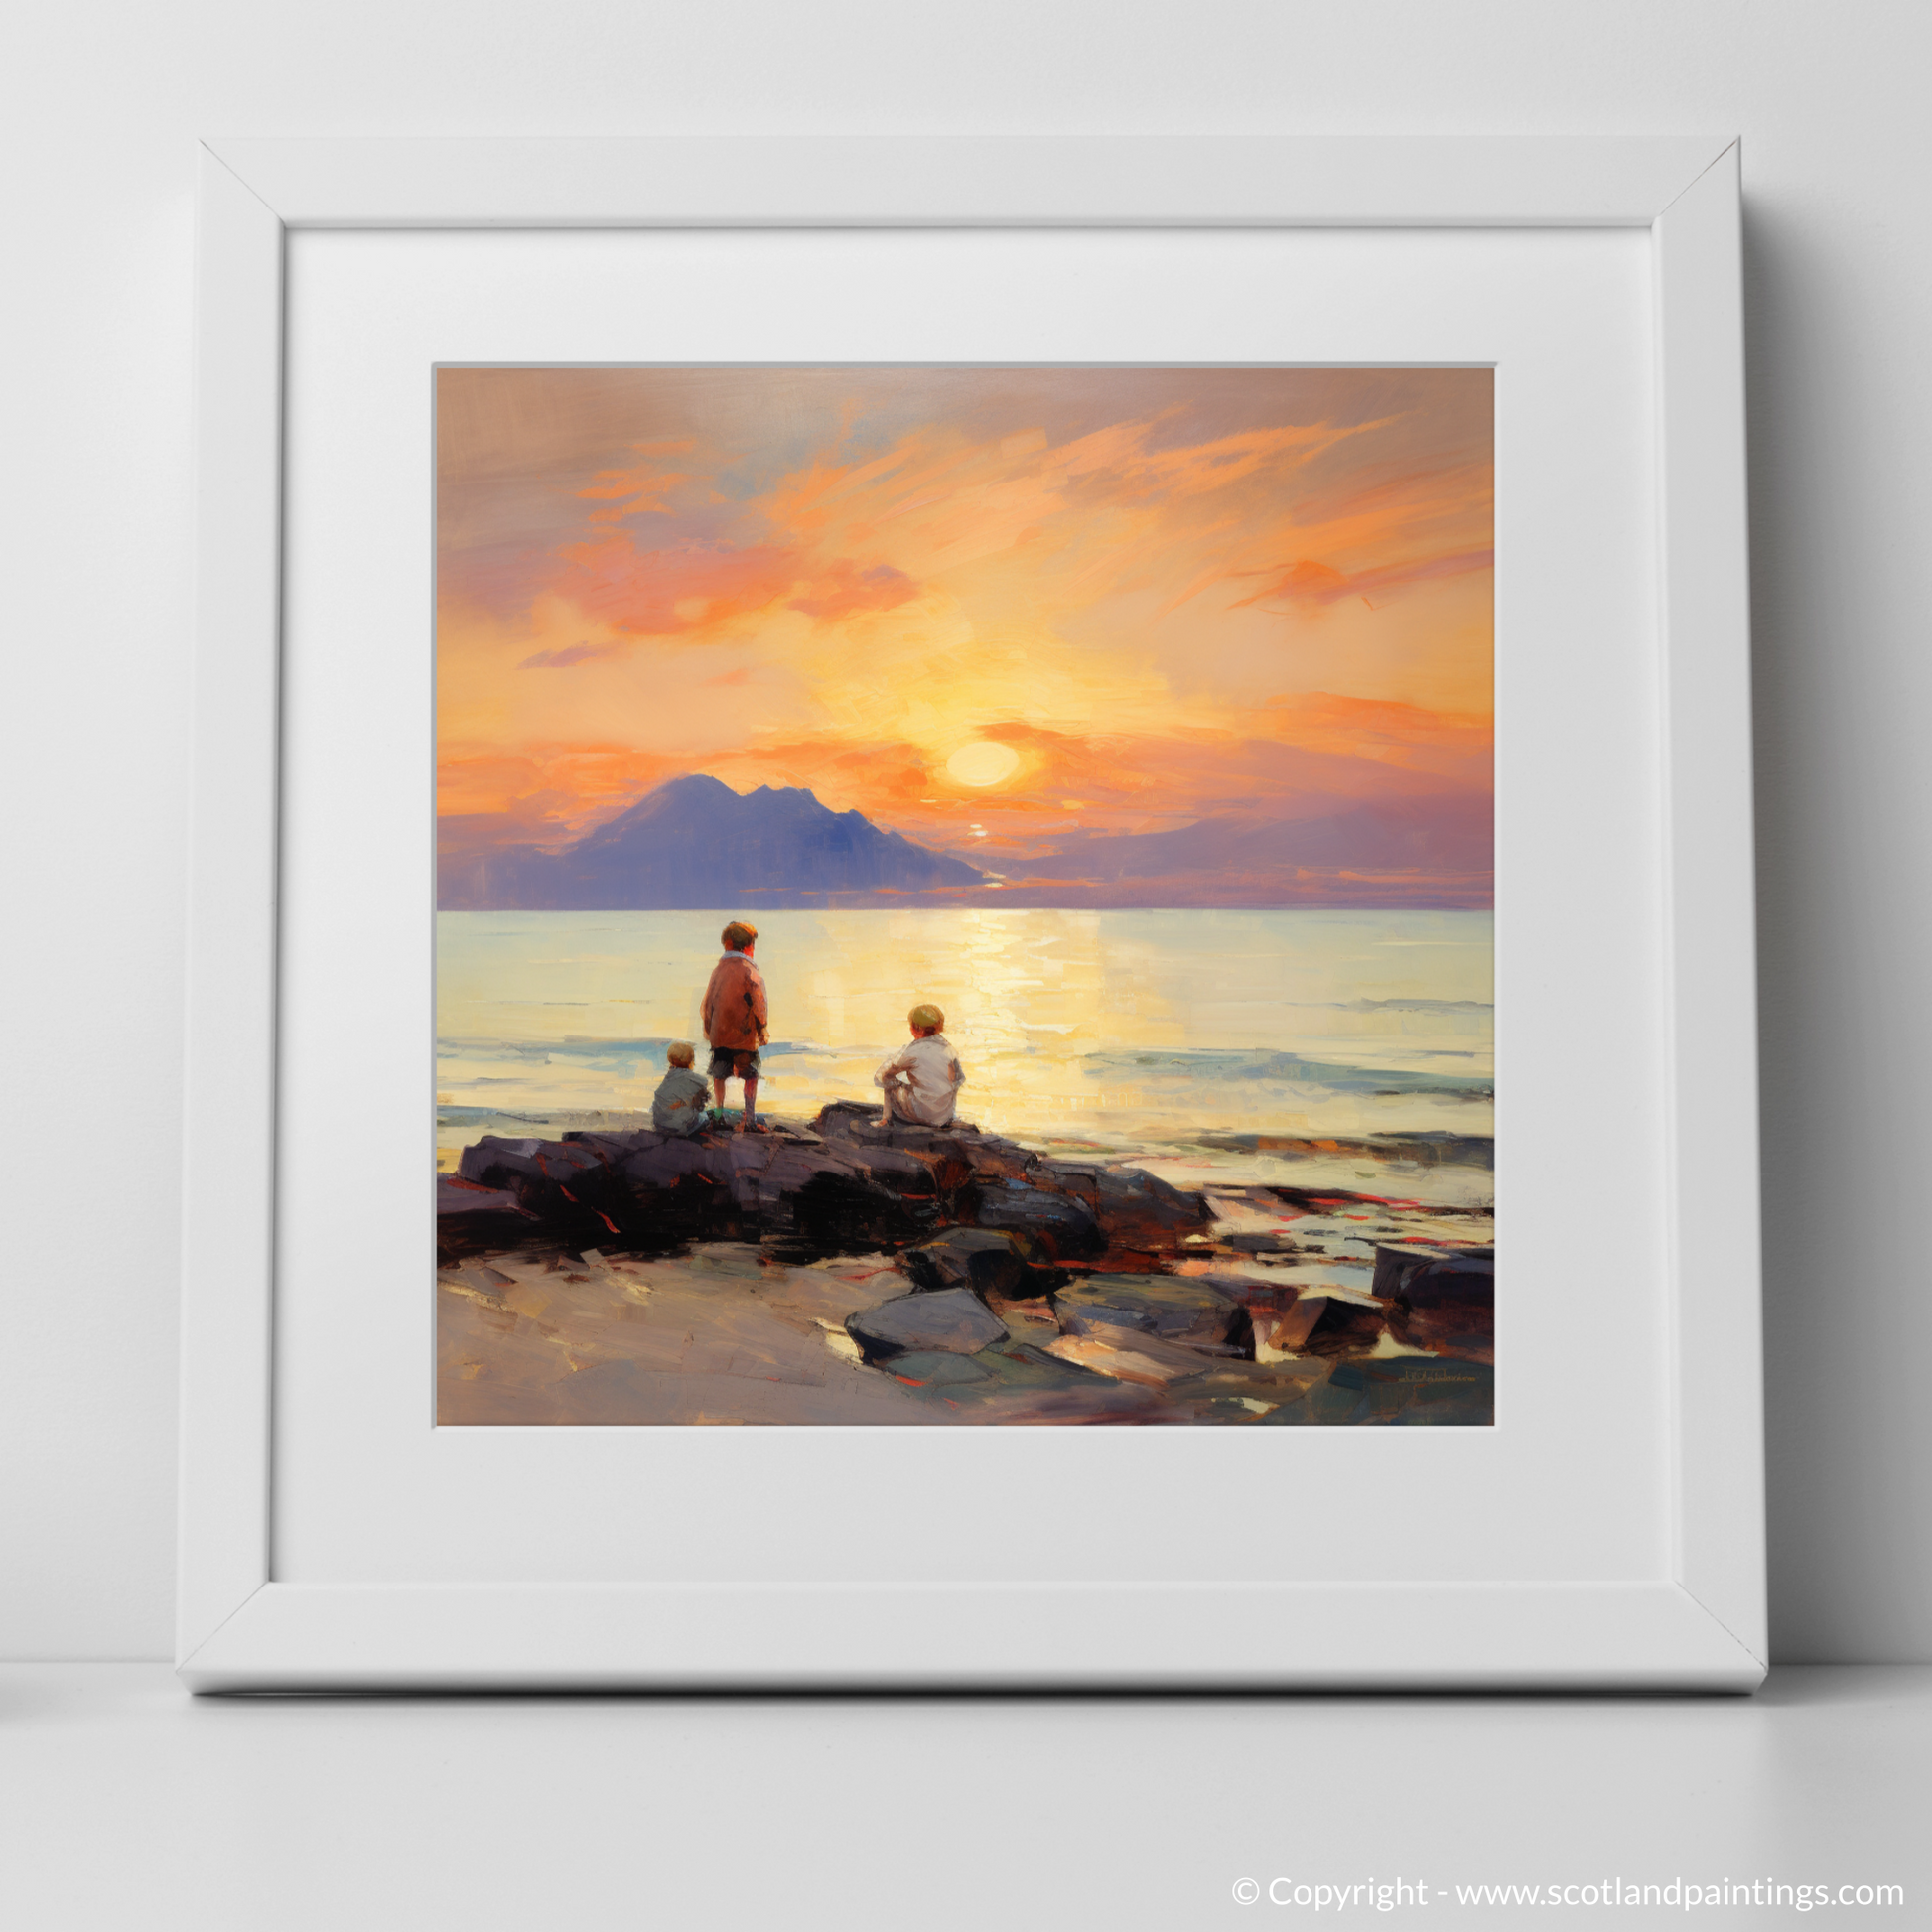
926, 1016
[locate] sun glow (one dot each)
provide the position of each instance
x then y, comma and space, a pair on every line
983, 762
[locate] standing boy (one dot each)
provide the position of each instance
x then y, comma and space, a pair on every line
734, 1016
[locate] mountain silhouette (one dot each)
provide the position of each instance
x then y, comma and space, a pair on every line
695, 844
1444, 832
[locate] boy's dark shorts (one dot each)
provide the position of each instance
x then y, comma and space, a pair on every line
734, 1064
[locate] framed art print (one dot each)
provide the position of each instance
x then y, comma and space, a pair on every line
1002, 884
1104, 758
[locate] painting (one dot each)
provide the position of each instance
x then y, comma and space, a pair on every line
964, 896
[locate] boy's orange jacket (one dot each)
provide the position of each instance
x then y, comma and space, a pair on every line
734, 1013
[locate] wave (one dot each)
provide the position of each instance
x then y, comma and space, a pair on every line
1291, 1068
1178, 1065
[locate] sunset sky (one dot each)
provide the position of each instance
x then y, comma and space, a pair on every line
991, 609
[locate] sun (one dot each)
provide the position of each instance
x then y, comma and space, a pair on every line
985, 761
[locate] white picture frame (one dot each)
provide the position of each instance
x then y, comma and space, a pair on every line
1699, 1622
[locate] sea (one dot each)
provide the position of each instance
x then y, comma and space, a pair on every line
1187, 1040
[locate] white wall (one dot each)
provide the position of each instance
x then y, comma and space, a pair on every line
103, 100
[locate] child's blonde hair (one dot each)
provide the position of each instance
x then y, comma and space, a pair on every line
738, 935
680, 1052
928, 1020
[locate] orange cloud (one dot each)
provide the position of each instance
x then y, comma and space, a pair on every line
644, 490
1311, 585
1450, 744
667, 593
1118, 461
843, 588
547, 795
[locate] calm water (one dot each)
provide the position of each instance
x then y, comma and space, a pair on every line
1134, 1031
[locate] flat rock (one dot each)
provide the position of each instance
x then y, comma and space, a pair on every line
1126, 1356
954, 1321
1180, 1308
934, 1369
990, 1261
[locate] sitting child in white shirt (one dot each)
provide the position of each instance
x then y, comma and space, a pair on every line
922, 1080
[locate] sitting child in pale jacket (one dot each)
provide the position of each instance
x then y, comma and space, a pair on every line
922, 1080
677, 1107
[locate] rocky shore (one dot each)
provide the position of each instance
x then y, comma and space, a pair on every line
844, 1270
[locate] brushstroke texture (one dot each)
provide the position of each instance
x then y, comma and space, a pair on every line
1247, 612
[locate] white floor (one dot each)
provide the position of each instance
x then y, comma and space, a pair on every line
124, 1803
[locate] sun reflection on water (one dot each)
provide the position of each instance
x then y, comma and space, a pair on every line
1121, 1027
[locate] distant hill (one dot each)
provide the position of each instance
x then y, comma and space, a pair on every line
695, 844
1443, 833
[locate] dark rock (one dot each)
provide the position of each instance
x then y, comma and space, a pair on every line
1468, 1277
1395, 1261
474, 1219
1174, 1307
992, 1159
1133, 1209
1064, 1226
789, 1166
989, 1261
954, 1321
674, 1158
844, 1213
846, 1183
457, 1197
1449, 1308
1324, 1324
893, 1167
616, 1147
495, 1162
748, 1156
958, 1145
548, 1178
